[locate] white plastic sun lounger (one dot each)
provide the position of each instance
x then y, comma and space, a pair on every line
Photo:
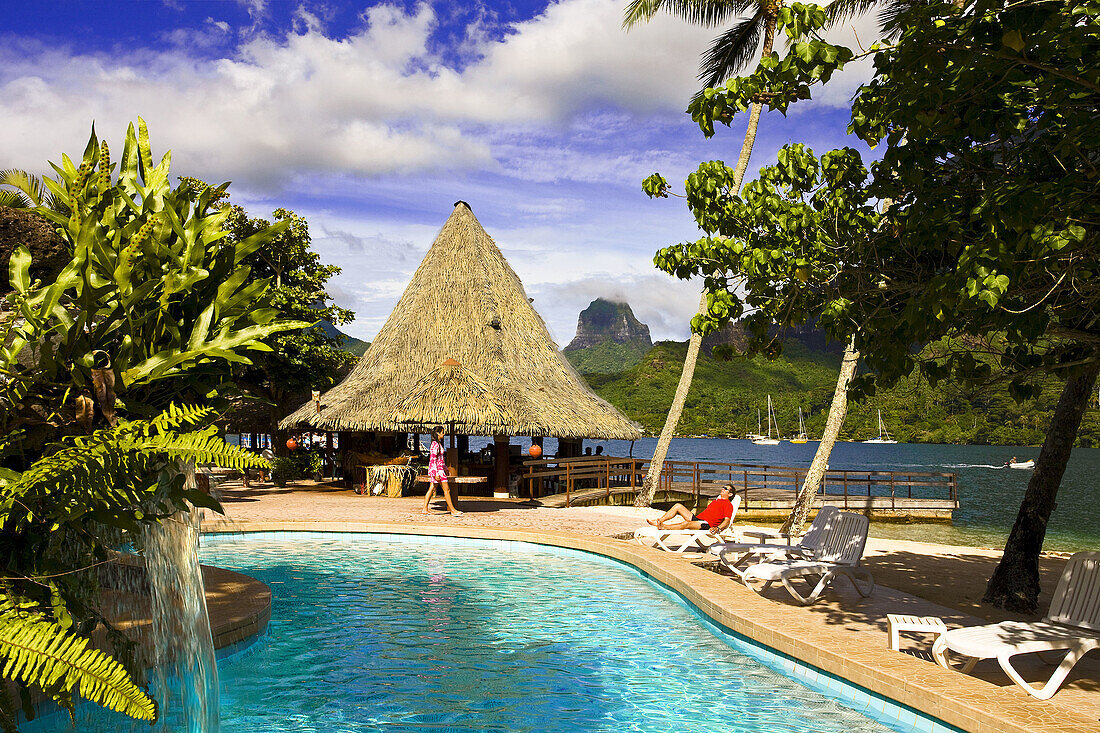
1072, 625
682, 540
735, 555
838, 554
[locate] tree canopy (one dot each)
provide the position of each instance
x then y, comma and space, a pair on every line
152, 307
301, 359
987, 112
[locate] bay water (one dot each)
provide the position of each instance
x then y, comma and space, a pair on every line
989, 493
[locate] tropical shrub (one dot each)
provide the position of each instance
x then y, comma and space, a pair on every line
61, 519
153, 306
285, 468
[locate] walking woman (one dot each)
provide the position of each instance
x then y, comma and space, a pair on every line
437, 473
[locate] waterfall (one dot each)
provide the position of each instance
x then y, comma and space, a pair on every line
185, 677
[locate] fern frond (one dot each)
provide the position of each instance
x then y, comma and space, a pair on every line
37, 651
111, 469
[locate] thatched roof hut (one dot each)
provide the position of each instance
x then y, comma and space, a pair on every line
466, 303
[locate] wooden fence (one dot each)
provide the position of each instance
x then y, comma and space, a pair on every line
591, 474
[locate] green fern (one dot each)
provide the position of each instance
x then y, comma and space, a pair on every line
74, 498
111, 468
37, 651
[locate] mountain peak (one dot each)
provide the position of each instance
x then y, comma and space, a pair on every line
605, 321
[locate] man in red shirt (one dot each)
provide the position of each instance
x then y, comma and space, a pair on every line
716, 517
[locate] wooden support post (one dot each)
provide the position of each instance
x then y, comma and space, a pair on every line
500, 460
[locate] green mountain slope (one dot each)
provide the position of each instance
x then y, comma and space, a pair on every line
726, 395
607, 357
351, 344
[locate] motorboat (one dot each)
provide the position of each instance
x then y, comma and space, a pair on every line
768, 440
883, 434
1023, 464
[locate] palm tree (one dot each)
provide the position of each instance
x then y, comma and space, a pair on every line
730, 52
29, 191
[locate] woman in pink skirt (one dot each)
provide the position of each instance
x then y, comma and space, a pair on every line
437, 473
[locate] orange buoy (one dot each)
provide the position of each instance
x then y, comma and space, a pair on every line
535, 450
292, 444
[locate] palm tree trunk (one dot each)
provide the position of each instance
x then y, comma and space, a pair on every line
837, 411
657, 463
1015, 582
649, 487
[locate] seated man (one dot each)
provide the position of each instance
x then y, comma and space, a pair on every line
715, 518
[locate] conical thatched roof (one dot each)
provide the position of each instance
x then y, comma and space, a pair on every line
465, 303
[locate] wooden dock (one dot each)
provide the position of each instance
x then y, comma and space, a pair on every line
767, 492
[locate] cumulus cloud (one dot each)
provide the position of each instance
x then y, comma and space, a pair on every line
549, 121
378, 101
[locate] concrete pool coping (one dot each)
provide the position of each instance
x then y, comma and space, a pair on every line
959, 700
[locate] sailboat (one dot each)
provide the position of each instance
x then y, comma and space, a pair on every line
757, 435
769, 440
883, 435
801, 438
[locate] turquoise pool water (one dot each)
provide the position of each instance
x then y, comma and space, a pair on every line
404, 633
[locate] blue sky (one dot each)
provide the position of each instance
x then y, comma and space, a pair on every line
372, 119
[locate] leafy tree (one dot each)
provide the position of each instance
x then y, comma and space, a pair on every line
305, 358
302, 359
152, 307
809, 62
783, 239
988, 114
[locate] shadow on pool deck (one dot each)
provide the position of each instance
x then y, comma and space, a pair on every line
842, 606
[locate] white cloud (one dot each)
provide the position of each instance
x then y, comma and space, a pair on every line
542, 127
374, 103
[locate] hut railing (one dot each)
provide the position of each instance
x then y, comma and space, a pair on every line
590, 474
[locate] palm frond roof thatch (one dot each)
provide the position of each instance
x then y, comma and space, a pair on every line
451, 393
466, 303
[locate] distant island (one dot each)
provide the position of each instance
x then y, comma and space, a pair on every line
614, 354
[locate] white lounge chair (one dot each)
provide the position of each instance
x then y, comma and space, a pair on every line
839, 553
735, 555
1072, 625
682, 540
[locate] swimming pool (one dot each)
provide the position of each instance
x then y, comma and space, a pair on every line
405, 633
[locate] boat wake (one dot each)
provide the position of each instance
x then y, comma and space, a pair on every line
975, 465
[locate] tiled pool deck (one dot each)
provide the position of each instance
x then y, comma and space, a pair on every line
841, 637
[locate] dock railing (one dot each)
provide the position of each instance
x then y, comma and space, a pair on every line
601, 474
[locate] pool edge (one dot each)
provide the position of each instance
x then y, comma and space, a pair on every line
957, 700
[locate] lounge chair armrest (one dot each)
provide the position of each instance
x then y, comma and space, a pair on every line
766, 534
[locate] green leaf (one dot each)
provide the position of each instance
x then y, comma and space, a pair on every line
19, 269
39, 652
1012, 39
